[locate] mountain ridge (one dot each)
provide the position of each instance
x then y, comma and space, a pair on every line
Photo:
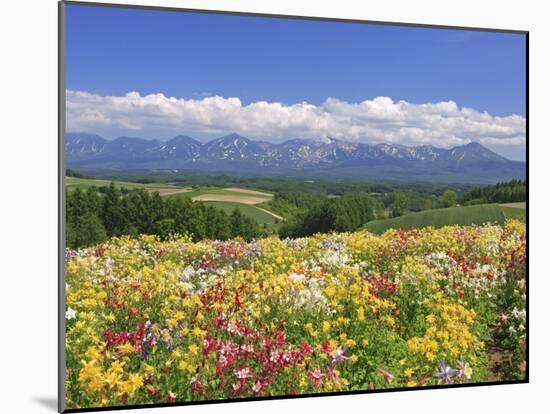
237, 154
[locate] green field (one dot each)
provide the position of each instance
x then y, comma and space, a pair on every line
250, 211
83, 183
477, 214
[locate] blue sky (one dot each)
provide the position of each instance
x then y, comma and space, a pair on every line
111, 52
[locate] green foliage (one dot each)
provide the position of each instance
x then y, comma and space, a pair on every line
507, 192
93, 216
449, 198
289, 204
340, 214
399, 204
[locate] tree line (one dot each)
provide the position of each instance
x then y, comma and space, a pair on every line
341, 214
505, 192
94, 215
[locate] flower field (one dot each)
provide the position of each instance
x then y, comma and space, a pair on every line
152, 321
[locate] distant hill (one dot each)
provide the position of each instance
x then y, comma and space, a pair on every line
478, 214
238, 155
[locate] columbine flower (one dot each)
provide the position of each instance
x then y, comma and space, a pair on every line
274, 357
316, 377
465, 371
196, 385
257, 387
226, 348
339, 355
388, 376
70, 314
445, 373
232, 328
243, 373
171, 397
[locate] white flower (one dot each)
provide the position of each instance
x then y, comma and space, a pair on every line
70, 313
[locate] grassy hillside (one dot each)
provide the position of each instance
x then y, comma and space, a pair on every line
477, 214
250, 211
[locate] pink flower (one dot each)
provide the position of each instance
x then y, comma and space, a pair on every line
274, 357
226, 348
223, 363
243, 373
247, 349
286, 357
232, 328
257, 387
316, 377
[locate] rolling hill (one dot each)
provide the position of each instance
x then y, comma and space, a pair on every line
477, 214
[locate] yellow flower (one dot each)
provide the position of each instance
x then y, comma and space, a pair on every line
183, 365
360, 314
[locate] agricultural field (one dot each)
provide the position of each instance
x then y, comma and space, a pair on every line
229, 198
150, 321
163, 189
476, 214
226, 199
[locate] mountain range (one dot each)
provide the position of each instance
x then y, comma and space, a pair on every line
238, 155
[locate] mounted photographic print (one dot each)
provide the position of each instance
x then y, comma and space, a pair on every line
261, 206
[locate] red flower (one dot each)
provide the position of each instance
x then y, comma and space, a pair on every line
305, 348
208, 345
133, 311
316, 377
325, 347
196, 385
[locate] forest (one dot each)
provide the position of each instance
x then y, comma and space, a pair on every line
94, 215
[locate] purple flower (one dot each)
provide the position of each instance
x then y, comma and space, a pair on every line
464, 372
339, 355
445, 373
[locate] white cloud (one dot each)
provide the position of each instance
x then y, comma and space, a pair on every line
381, 119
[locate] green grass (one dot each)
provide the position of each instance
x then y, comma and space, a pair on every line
513, 213
477, 214
254, 213
83, 183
